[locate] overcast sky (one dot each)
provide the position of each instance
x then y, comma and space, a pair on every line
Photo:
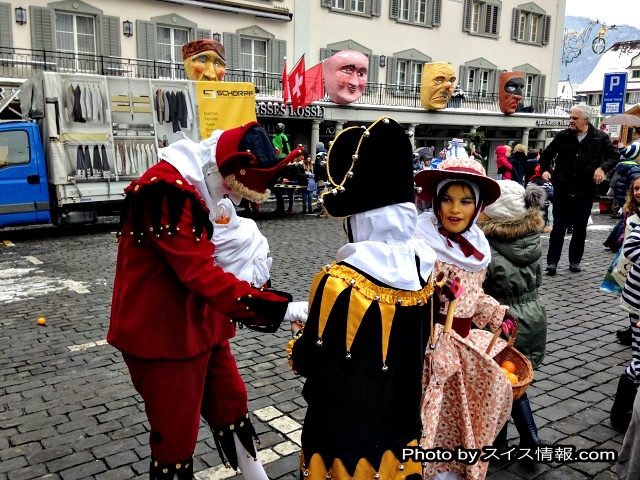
611, 12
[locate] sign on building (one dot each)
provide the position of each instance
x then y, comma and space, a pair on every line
613, 93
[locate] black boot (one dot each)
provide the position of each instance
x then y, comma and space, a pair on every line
525, 424
622, 408
304, 210
500, 443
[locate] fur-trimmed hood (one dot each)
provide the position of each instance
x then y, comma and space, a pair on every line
510, 229
517, 239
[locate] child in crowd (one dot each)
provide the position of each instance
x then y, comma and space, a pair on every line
533, 160
307, 179
518, 159
548, 189
512, 225
459, 190
502, 160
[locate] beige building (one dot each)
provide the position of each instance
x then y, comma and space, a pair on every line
480, 38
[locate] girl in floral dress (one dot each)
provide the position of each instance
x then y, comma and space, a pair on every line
469, 417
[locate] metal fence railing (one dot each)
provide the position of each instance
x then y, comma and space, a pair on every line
24, 63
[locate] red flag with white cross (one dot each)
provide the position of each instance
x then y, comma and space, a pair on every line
297, 86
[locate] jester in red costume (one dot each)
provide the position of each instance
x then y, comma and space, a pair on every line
175, 307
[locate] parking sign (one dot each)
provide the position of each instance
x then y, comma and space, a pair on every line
614, 93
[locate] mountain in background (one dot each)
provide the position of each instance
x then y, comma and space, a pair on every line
580, 68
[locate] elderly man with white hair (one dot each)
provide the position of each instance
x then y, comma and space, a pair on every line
577, 160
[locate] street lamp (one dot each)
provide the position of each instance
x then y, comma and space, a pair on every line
383, 61
217, 37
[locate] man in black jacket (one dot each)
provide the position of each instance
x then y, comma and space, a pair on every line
583, 155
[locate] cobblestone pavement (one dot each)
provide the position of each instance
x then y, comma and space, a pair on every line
68, 410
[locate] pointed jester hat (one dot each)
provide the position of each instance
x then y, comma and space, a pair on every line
369, 168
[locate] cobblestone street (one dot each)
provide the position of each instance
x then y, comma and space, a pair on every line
68, 409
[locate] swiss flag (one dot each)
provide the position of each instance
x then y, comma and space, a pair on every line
314, 84
285, 84
297, 86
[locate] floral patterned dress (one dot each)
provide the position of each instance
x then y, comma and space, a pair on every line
466, 397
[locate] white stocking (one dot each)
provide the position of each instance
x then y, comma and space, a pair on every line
251, 469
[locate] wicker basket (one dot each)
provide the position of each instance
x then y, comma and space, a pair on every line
524, 370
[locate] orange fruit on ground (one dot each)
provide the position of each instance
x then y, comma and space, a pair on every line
42, 321
509, 366
513, 378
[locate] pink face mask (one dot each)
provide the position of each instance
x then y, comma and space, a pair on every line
345, 76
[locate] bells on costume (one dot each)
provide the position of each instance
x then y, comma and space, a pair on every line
369, 168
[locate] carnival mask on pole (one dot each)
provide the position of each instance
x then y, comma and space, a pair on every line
345, 76
510, 93
438, 84
204, 60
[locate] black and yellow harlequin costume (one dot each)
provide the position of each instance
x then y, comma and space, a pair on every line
362, 348
362, 352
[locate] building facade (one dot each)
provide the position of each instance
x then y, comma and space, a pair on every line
480, 38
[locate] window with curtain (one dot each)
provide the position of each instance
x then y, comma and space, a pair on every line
408, 74
253, 58
528, 86
339, 4
169, 50
76, 40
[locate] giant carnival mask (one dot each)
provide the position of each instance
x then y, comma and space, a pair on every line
510, 93
204, 60
438, 84
345, 76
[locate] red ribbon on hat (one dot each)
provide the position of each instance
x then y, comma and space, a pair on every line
465, 245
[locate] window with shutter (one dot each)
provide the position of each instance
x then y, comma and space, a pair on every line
482, 17
530, 25
365, 8
231, 43
479, 77
425, 13
146, 48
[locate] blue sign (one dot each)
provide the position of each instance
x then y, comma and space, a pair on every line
614, 93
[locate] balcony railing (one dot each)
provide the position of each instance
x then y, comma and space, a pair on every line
24, 63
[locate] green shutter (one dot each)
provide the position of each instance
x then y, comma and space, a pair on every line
324, 53
466, 18
547, 30
496, 81
110, 36
495, 20
231, 43
392, 67
374, 69
464, 78
42, 29
146, 40
326, 3
376, 8
278, 54
394, 9
6, 25
515, 29
437, 13
202, 34
542, 81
